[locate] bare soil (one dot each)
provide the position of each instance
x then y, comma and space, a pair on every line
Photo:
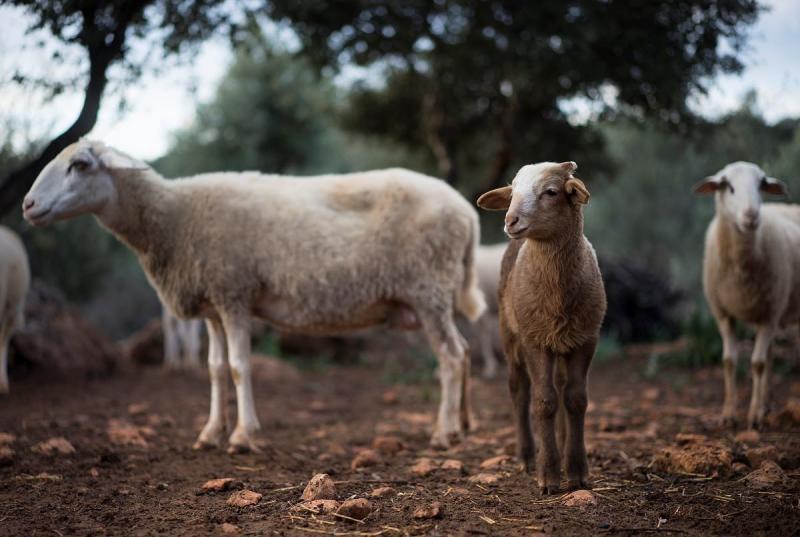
133, 471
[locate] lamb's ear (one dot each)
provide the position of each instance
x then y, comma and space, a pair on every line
569, 167
576, 190
776, 187
496, 200
709, 185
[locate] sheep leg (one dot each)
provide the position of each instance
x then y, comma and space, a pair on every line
214, 431
561, 415
485, 326
545, 405
758, 410
237, 329
729, 359
575, 401
191, 344
519, 384
451, 354
171, 342
5, 337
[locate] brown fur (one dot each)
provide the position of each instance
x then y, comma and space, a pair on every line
552, 304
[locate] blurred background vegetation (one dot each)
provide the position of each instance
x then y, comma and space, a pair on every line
466, 91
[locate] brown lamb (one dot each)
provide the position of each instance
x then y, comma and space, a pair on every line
552, 303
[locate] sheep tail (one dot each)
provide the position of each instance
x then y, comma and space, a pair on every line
470, 300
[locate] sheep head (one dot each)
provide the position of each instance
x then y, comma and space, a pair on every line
737, 188
541, 199
78, 181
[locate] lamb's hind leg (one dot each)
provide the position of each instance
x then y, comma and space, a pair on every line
519, 385
237, 329
758, 399
214, 431
451, 354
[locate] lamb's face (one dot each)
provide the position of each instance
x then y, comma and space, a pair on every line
737, 188
76, 182
539, 199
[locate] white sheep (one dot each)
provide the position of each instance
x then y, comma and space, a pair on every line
487, 260
14, 283
182, 341
751, 272
322, 254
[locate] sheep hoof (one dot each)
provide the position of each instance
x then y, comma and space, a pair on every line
545, 490
578, 484
242, 448
204, 445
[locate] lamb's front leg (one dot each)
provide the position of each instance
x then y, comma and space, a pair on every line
214, 431
758, 399
545, 405
237, 329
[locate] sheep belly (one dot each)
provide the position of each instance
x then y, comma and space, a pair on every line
286, 316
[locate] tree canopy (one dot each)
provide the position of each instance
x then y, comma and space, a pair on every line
457, 70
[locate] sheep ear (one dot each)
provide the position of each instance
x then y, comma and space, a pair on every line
569, 166
776, 187
115, 160
496, 200
709, 185
577, 190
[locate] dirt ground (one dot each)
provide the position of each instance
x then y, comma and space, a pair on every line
133, 472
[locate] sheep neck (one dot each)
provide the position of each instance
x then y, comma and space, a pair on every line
142, 212
737, 249
553, 261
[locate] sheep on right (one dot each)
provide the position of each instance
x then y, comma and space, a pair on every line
751, 273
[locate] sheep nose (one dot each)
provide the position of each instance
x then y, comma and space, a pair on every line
750, 218
511, 221
27, 203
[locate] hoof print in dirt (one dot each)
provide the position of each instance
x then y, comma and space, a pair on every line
580, 498
424, 512
364, 459
219, 485
357, 508
320, 487
244, 498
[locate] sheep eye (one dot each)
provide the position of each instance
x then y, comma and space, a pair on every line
551, 192
726, 184
79, 165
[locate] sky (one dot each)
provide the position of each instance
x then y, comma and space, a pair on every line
158, 104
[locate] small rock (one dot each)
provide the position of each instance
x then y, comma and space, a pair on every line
244, 498
580, 498
94, 472
7, 438
358, 508
387, 445
383, 492
756, 456
317, 507
751, 436
434, 510
57, 445
320, 487
484, 479
694, 459
136, 409
219, 485
739, 468
364, 458
496, 462
690, 438
769, 475
453, 465
424, 467
390, 397
227, 527
6, 456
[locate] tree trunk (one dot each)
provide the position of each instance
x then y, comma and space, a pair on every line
17, 183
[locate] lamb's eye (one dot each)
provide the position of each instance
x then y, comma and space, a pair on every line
551, 192
79, 165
